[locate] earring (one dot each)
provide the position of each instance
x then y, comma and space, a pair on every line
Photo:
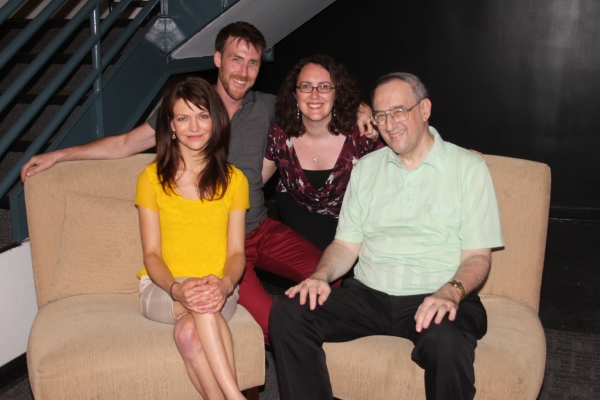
334, 113
297, 112
173, 136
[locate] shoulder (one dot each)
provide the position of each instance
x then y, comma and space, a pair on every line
237, 176
260, 97
149, 173
370, 164
266, 97
259, 107
355, 135
276, 131
463, 158
362, 142
374, 157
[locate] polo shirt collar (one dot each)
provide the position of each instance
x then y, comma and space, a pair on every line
437, 154
435, 157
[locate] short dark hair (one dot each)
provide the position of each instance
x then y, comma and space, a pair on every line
347, 98
418, 88
242, 31
214, 179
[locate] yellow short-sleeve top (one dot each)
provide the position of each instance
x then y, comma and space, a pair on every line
193, 232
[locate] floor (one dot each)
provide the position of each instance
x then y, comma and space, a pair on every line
570, 301
570, 298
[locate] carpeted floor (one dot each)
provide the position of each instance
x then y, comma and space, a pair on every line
572, 366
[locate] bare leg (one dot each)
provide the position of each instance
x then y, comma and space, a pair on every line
215, 338
198, 369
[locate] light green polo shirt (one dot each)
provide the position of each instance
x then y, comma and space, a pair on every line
414, 224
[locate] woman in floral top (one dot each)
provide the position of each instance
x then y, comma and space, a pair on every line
314, 145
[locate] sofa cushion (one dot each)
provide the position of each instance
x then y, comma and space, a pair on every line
99, 346
100, 249
509, 360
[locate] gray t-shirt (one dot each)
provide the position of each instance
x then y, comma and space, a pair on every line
249, 129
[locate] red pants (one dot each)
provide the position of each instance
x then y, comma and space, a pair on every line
276, 248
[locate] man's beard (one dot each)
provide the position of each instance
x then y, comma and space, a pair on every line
235, 94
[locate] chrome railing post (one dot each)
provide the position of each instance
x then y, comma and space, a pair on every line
97, 67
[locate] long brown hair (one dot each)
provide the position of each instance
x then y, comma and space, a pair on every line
213, 181
345, 106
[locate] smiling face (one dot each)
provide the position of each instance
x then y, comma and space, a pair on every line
315, 106
409, 138
238, 68
192, 126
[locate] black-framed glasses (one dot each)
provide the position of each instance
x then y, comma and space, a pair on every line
321, 88
399, 114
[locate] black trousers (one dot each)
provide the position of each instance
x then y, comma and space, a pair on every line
446, 351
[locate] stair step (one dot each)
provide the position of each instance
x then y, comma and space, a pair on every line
15, 67
56, 100
7, 161
56, 59
44, 76
39, 41
14, 112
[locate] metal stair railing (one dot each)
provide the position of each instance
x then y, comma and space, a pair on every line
116, 100
9, 9
89, 10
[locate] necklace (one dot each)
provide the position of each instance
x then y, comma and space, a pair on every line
315, 159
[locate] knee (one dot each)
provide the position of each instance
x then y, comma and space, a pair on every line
445, 341
284, 316
186, 338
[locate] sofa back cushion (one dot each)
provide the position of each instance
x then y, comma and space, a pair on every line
523, 192
522, 188
100, 247
45, 198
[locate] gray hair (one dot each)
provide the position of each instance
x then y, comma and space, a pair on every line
418, 88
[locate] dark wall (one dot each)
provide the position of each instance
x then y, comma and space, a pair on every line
514, 78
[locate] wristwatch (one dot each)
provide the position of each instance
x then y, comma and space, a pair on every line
458, 285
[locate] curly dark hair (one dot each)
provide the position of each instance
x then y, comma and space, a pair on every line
347, 98
213, 181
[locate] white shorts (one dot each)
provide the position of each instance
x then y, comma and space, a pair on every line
157, 305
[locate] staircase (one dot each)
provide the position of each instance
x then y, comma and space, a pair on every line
18, 106
113, 68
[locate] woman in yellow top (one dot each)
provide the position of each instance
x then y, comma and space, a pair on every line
192, 207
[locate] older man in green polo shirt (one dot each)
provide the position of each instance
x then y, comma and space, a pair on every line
421, 216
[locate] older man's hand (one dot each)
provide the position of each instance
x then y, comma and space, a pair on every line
444, 301
317, 290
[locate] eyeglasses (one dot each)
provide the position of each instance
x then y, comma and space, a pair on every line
399, 114
321, 88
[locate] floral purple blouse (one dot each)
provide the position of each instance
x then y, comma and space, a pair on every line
328, 199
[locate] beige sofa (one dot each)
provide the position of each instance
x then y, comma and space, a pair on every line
97, 345
510, 358
89, 339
